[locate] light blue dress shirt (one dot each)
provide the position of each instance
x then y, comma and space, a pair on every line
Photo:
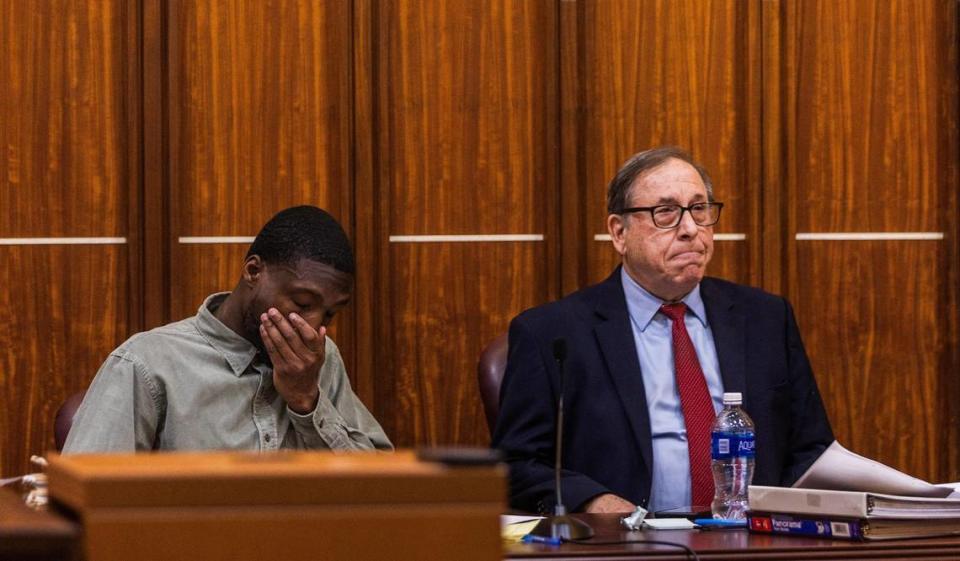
653, 336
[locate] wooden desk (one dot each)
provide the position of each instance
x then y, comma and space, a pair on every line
28, 534
290, 506
733, 545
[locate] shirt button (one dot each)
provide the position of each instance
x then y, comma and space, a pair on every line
267, 438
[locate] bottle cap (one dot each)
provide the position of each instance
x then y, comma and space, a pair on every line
732, 398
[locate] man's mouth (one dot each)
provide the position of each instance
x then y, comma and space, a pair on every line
688, 255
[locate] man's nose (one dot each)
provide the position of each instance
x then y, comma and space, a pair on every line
688, 227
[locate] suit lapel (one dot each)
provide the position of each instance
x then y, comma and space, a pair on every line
728, 325
615, 337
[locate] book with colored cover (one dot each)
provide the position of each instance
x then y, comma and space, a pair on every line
853, 504
845, 495
823, 526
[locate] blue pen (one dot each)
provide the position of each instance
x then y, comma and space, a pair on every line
530, 538
720, 523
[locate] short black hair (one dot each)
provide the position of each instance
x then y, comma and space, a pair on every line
304, 232
619, 189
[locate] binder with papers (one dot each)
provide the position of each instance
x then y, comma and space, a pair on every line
856, 504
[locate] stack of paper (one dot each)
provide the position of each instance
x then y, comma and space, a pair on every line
844, 495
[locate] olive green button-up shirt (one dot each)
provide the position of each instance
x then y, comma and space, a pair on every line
197, 385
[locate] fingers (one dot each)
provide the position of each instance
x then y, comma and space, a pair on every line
288, 332
273, 341
267, 343
313, 339
291, 340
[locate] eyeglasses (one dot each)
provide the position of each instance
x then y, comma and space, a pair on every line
669, 216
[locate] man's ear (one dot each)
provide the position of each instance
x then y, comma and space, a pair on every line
616, 226
253, 267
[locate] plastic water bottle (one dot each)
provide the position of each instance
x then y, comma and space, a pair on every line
732, 454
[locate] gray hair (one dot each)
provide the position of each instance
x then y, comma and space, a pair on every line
619, 188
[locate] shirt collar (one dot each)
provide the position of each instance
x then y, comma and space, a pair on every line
237, 351
643, 306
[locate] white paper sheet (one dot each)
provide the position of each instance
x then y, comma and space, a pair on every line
839, 469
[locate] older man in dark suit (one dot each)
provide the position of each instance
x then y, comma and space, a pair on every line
651, 350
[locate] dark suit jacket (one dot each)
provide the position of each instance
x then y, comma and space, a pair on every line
607, 446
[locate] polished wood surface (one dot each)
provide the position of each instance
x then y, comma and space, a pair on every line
866, 150
466, 114
730, 545
651, 73
427, 391
260, 113
50, 353
464, 124
296, 505
27, 534
287, 478
64, 172
62, 169
876, 355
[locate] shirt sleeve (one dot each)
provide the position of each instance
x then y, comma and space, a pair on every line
121, 411
340, 421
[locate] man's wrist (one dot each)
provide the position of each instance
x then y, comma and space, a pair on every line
305, 405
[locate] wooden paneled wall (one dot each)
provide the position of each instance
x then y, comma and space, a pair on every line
466, 147
645, 74
868, 129
67, 114
464, 127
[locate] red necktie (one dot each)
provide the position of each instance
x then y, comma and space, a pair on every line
698, 413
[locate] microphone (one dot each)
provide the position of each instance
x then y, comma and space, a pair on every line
561, 525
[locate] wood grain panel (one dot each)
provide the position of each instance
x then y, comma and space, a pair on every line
463, 99
949, 178
651, 73
66, 170
863, 114
153, 267
67, 307
467, 115
875, 343
449, 301
260, 112
870, 144
201, 270
728, 260
369, 244
61, 117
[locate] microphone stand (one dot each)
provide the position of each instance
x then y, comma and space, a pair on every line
561, 525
